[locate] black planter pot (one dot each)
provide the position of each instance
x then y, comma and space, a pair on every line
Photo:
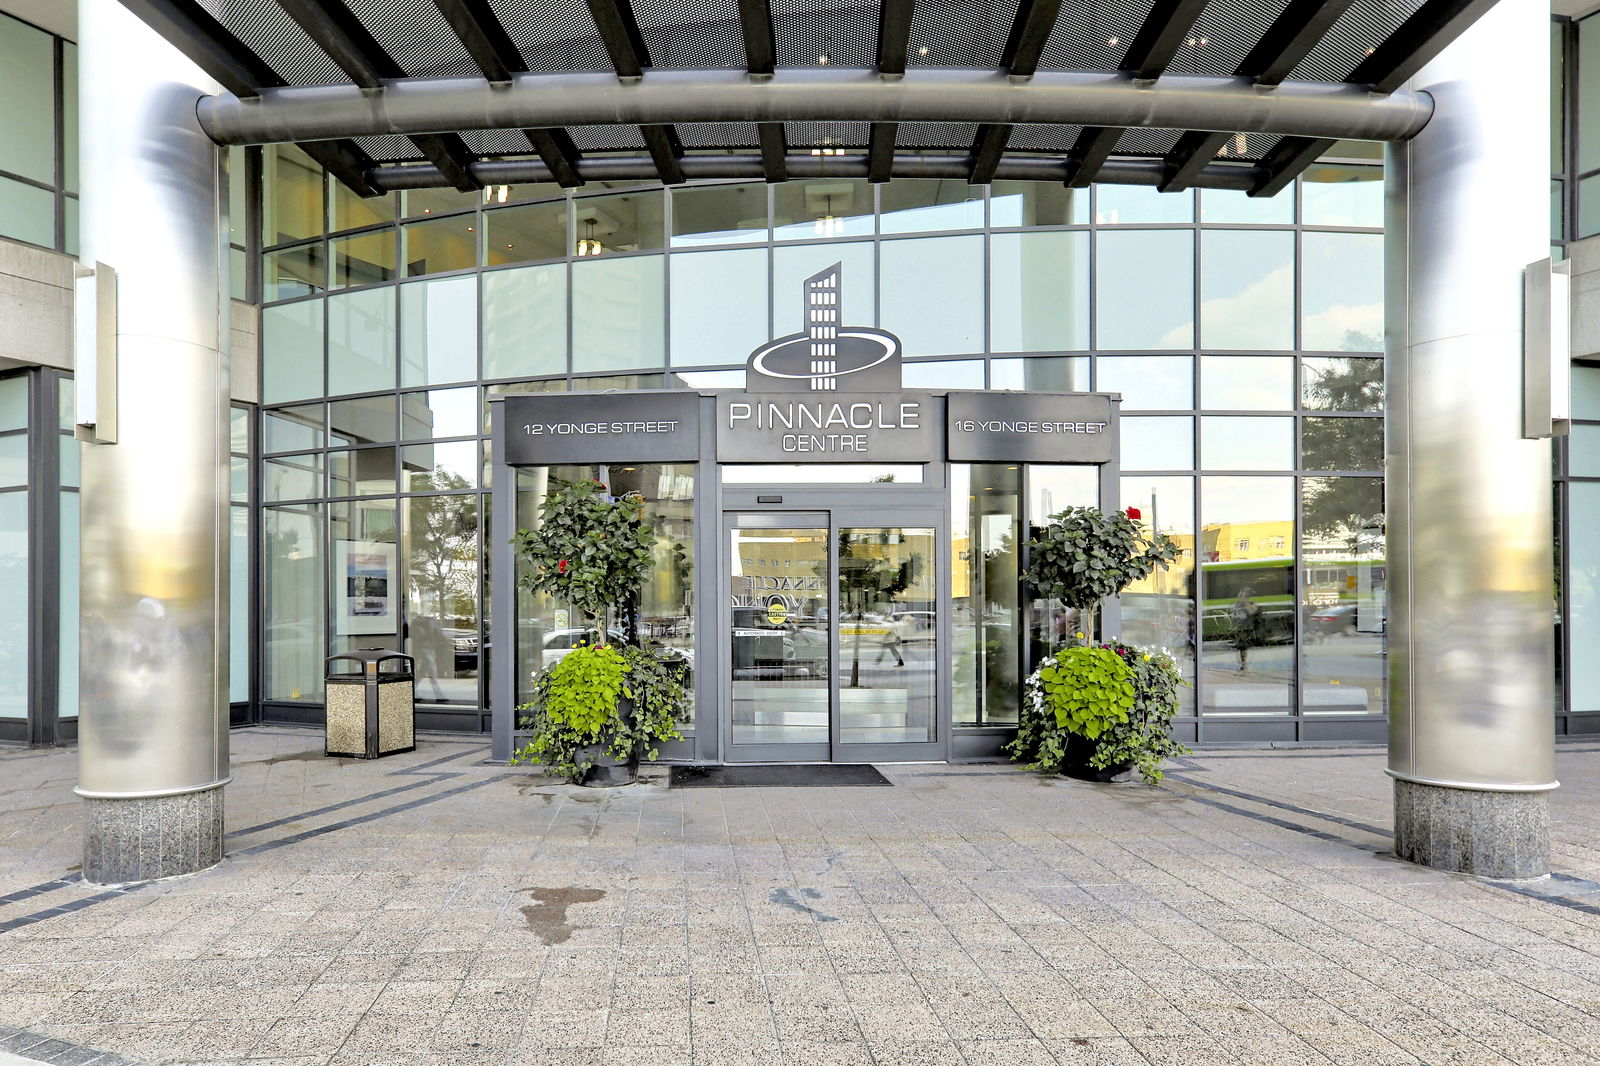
609, 771
1076, 764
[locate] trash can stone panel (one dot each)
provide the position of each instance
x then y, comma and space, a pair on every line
397, 716
371, 708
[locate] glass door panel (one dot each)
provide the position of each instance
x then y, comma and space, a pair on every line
888, 648
778, 626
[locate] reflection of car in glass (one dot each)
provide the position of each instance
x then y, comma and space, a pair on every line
1340, 618
464, 642
795, 647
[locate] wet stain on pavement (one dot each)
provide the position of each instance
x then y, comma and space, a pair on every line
784, 898
547, 914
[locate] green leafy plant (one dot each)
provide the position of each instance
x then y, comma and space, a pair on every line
1132, 726
1084, 555
590, 549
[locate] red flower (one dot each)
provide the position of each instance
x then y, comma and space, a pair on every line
1134, 513
562, 566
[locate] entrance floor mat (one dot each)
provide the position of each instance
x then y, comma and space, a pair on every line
823, 775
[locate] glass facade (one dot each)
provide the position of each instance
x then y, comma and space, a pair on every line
38, 154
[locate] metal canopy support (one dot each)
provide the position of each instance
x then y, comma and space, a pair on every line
346, 161
894, 36
760, 43
1089, 154
880, 151
1418, 40
1029, 34
1189, 157
559, 154
1290, 39
1285, 162
191, 29
484, 38
450, 154
619, 30
987, 148
774, 150
665, 152
339, 33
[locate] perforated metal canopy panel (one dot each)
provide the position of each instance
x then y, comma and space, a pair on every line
254, 45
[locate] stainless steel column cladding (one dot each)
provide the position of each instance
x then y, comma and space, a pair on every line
154, 674
1469, 501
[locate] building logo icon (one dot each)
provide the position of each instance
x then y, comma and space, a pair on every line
814, 361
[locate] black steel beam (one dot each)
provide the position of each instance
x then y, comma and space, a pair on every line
339, 33
559, 154
880, 151
760, 44
987, 148
1029, 33
952, 167
191, 29
665, 151
485, 39
346, 161
1159, 38
1290, 39
894, 35
450, 154
774, 151
1089, 153
1421, 37
1189, 158
619, 31
1285, 162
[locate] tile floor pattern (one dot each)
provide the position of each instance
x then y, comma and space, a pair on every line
430, 908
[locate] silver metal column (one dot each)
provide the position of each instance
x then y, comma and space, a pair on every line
153, 740
1471, 650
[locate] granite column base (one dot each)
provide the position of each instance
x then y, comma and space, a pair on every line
1490, 834
151, 837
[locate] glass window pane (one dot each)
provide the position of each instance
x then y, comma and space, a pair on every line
1068, 373
291, 195
920, 205
1341, 384
1558, 210
1229, 206
71, 458
623, 382
1342, 443
708, 379
1589, 205
617, 314
1343, 597
932, 292
13, 460
1247, 581
525, 321
361, 341
1131, 204
719, 306
441, 245
825, 207
68, 624
299, 271
1583, 453
1585, 393
364, 260
14, 603
293, 554
239, 607
14, 402
292, 477
419, 203
1342, 292
986, 623
1037, 203
1558, 110
1336, 195
1247, 443
1588, 89
70, 207
1158, 612
238, 265
361, 472
525, 234
440, 467
69, 117
365, 576
1583, 594
440, 413
858, 291
369, 420
1247, 290
352, 212
27, 89
1145, 289
27, 213
291, 351
634, 222
1038, 292
943, 374
293, 429
1148, 382
719, 214
1163, 443
238, 479
439, 331
1246, 383
441, 552
238, 430
495, 195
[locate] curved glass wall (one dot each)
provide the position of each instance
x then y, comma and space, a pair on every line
1245, 337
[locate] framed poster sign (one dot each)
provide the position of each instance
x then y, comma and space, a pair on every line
365, 600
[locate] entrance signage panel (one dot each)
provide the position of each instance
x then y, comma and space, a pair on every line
866, 359
983, 427
848, 428
644, 427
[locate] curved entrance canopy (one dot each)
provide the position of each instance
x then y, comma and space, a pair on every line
1180, 93
392, 94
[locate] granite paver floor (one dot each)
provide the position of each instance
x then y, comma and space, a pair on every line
435, 908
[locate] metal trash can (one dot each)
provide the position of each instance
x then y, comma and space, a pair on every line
371, 709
